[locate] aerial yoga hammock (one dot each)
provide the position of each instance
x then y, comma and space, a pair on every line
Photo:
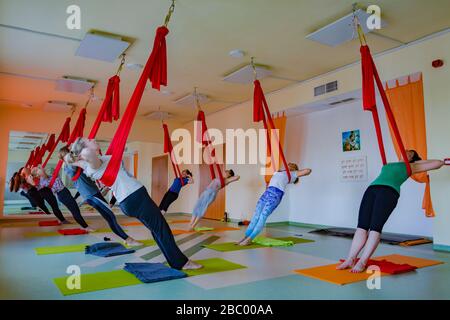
110, 108
262, 113
381, 197
156, 71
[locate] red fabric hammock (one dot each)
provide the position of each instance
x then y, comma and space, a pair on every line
168, 148
63, 137
109, 111
261, 113
30, 159
76, 132
156, 71
205, 140
369, 73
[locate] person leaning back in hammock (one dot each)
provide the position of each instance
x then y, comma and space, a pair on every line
379, 201
133, 199
172, 194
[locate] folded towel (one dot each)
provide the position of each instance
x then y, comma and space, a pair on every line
72, 232
49, 223
389, 267
203, 229
107, 249
269, 242
153, 272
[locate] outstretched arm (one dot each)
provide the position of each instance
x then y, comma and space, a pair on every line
231, 179
303, 172
426, 165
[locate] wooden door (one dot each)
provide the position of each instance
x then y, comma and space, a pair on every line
159, 178
217, 209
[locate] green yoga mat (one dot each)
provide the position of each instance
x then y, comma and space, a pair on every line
80, 248
213, 265
121, 278
98, 281
60, 249
231, 246
203, 229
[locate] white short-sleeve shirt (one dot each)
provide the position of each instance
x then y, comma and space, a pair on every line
125, 183
280, 181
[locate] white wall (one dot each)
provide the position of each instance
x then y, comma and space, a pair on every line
315, 141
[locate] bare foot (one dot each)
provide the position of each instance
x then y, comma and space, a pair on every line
132, 242
89, 229
349, 263
246, 242
359, 267
191, 265
191, 228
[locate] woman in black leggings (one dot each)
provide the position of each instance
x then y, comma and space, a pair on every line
63, 195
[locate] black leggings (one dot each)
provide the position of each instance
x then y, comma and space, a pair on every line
34, 194
376, 207
48, 195
167, 200
30, 199
66, 198
141, 206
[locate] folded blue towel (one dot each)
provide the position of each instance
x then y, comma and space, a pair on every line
153, 272
107, 249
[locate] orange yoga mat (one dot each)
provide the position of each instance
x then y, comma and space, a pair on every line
329, 273
137, 223
176, 232
178, 221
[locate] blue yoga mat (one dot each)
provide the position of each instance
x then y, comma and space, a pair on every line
153, 272
107, 249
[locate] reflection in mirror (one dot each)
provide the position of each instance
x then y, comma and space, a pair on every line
21, 144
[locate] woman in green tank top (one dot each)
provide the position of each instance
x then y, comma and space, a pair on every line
379, 201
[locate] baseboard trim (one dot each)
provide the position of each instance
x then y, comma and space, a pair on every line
441, 247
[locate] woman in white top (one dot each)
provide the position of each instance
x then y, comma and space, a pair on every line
208, 196
133, 199
270, 200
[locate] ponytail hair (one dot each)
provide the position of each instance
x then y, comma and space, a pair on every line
188, 172
75, 150
415, 157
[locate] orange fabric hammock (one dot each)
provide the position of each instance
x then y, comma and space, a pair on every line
407, 104
168, 148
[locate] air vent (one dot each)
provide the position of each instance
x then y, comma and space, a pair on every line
245, 74
341, 101
325, 88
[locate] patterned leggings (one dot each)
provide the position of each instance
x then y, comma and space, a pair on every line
268, 202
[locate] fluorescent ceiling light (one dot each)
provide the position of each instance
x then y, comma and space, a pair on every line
101, 47
342, 30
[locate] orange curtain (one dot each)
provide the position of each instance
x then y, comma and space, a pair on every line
408, 107
280, 124
135, 164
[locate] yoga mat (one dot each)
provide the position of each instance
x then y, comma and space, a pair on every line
178, 221
60, 249
36, 212
199, 229
329, 273
98, 281
53, 233
390, 238
213, 265
231, 246
131, 224
48, 223
120, 278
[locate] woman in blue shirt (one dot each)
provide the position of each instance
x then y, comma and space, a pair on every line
174, 190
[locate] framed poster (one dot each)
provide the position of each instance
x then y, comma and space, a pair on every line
351, 141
